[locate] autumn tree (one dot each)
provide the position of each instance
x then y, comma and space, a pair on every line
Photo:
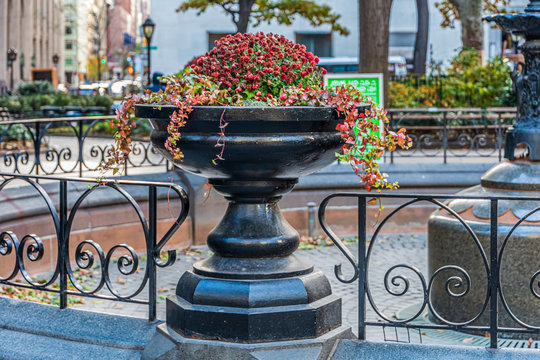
469, 12
374, 28
284, 12
421, 41
97, 33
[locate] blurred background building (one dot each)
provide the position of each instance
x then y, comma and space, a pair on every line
91, 41
124, 36
34, 29
100, 35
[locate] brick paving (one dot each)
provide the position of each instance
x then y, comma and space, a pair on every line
388, 250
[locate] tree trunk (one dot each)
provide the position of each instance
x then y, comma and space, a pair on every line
421, 42
244, 12
472, 31
374, 21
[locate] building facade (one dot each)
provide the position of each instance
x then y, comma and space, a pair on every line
181, 36
124, 37
85, 35
34, 28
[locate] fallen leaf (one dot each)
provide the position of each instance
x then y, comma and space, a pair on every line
467, 340
441, 330
120, 280
162, 290
118, 306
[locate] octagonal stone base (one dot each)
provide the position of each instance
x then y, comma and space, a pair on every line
294, 307
168, 344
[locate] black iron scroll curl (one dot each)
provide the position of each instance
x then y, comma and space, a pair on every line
339, 244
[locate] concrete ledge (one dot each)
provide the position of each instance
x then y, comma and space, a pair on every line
354, 349
68, 333
407, 174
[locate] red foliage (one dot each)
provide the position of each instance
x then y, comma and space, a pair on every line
263, 62
275, 71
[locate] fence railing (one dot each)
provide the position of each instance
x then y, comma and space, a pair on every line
397, 284
73, 145
78, 145
452, 133
87, 254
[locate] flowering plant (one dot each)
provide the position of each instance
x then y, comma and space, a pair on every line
265, 70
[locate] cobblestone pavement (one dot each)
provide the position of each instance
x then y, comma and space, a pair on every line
388, 250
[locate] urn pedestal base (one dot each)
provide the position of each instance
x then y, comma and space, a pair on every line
296, 307
253, 290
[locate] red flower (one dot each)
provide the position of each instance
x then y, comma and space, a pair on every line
283, 68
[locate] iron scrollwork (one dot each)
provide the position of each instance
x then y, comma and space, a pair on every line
78, 151
88, 253
456, 280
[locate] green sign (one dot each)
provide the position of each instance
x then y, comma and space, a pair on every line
369, 84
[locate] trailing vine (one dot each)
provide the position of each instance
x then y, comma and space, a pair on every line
264, 70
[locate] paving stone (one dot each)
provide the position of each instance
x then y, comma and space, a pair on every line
388, 250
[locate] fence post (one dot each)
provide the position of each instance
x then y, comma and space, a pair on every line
311, 218
80, 138
499, 134
361, 268
493, 276
392, 128
151, 243
37, 147
445, 136
63, 237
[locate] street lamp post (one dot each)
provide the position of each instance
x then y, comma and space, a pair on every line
55, 59
21, 66
148, 31
11, 57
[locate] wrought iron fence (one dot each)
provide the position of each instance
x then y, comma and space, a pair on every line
396, 284
86, 255
77, 145
66, 145
452, 133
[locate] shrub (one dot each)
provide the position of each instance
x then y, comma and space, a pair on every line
41, 87
467, 83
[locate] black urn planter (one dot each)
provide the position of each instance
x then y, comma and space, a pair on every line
253, 288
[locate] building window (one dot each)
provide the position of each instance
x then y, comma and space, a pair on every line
69, 61
69, 30
212, 37
69, 45
402, 39
318, 44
